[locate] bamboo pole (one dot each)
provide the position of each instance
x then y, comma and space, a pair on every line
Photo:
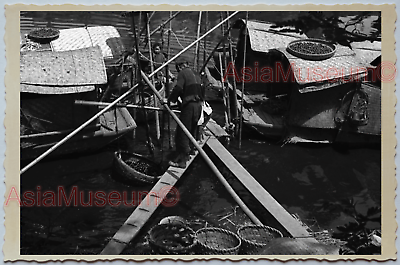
196, 52
235, 105
215, 170
244, 64
167, 76
104, 104
205, 39
152, 79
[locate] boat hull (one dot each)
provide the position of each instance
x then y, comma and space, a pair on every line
113, 124
131, 176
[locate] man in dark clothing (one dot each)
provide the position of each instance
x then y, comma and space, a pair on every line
189, 88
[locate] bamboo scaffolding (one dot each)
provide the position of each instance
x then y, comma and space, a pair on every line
242, 92
69, 136
215, 170
191, 45
216, 47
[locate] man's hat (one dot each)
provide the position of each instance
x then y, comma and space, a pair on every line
180, 60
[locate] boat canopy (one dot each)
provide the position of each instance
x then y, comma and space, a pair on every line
47, 72
106, 37
347, 64
264, 37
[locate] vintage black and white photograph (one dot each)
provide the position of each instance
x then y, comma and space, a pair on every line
201, 133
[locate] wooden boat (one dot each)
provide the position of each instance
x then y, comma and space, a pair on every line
313, 99
47, 107
135, 169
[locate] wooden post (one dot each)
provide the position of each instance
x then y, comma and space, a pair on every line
205, 39
152, 78
223, 69
196, 55
149, 141
215, 170
234, 97
244, 64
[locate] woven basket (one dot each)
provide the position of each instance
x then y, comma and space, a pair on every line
217, 241
256, 237
172, 239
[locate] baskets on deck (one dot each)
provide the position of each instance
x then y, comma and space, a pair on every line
172, 239
256, 237
217, 241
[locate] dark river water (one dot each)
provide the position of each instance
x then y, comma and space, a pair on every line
311, 182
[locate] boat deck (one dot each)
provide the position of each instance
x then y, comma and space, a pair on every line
257, 118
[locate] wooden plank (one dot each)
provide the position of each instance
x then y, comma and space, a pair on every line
268, 202
146, 208
245, 98
215, 129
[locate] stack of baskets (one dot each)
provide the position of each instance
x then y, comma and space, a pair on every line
256, 237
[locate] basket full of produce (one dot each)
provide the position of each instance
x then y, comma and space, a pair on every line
311, 49
135, 169
44, 35
172, 239
256, 237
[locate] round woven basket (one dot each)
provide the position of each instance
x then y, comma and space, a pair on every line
256, 237
172, 239
44, 35
310, 56
217, 241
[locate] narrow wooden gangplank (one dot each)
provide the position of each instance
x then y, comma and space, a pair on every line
154, 198
293, 226
146, 208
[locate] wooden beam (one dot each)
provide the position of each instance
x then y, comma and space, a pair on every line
146, 208
267, 201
